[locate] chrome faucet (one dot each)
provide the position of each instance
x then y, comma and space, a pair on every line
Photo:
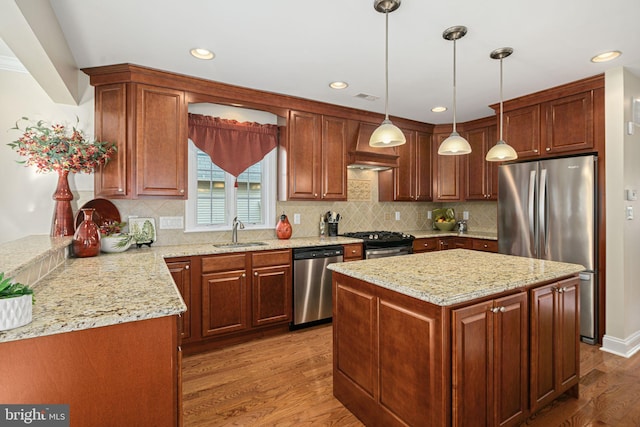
234, 230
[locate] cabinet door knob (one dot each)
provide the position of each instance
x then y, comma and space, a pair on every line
353, 251
120, 190
548, 148
243, 275
182, 191
186, 267
255, 273
535, 150
315, 194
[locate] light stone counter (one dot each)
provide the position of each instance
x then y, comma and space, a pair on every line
80, 293
419, 234
454, 276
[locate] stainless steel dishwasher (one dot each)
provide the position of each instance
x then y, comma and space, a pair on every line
312, 301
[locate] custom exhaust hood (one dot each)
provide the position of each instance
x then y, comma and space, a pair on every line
360, 155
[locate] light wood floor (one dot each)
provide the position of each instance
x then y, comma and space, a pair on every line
286, 381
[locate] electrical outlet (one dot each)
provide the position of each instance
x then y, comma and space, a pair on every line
296, 218
429, 215
465, 215
397, 216
387, 216
629, 212
171, 222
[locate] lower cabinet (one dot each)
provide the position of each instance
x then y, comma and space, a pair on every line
180, 269
352, 252
423, 244
232, 297
489, 362
555, 332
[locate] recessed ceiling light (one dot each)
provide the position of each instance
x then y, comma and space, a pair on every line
606, 56
439, 109
338, 85
202, 53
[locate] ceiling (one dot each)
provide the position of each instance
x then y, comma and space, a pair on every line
297, 47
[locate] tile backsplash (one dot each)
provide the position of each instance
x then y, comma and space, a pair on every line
362, 212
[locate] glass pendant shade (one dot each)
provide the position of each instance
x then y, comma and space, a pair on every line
501, 152
454, 145
387, 135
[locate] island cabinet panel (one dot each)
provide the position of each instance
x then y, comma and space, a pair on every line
389, 368
489, 362
555, 335
180, 269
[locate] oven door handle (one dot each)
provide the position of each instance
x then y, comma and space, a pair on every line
373, 253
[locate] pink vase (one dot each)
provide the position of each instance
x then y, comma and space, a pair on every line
86, 240
62, 223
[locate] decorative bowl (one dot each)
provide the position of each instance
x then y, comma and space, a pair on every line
15, 312
115, 243
445, 226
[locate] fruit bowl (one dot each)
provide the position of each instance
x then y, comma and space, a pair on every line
445, 226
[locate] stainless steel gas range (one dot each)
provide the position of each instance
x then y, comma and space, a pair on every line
379, 244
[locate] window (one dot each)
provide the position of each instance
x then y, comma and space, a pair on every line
214, 200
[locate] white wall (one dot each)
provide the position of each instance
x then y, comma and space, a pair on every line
25, 195
622, 335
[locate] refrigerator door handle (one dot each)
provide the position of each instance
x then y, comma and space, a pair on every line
532, 194
543, 212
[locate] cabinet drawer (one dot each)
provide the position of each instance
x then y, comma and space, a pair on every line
265, 259
485, 245
425, 245
352, 251
212, 264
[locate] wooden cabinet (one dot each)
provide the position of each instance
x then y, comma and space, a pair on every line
445, 243
239, 296
180, 269
271, 287
568, 119
484, 245
448, 173
481, 176
555, 337
352, 252
489, 362
382, 356
225, 297
313, 157
428, 244
149, 126
411, 180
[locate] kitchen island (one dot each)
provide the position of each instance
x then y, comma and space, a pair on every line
454, 337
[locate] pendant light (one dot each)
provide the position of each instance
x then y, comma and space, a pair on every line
387, 134
501, 151
454, 145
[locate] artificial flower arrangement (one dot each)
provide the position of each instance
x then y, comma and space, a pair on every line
56, 147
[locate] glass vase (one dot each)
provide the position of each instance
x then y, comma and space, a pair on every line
86, 240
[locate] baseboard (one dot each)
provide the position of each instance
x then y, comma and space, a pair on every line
625, 348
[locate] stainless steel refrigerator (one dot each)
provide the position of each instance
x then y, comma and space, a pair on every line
547, 209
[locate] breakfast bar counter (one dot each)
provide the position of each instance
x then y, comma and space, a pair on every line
454, 337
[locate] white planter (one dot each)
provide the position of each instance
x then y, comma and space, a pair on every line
111, 243
15, 312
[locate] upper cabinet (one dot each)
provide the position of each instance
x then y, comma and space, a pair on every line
313, 157
565, 120
149, 126
448, 173
411, 180
481, 177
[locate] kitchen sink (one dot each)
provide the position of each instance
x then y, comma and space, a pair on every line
238, 244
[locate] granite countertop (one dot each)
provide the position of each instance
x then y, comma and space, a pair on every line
487, 235
84, 293
454, 276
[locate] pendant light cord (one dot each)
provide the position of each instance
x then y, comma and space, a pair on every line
386, 65
454, 85
501, 100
